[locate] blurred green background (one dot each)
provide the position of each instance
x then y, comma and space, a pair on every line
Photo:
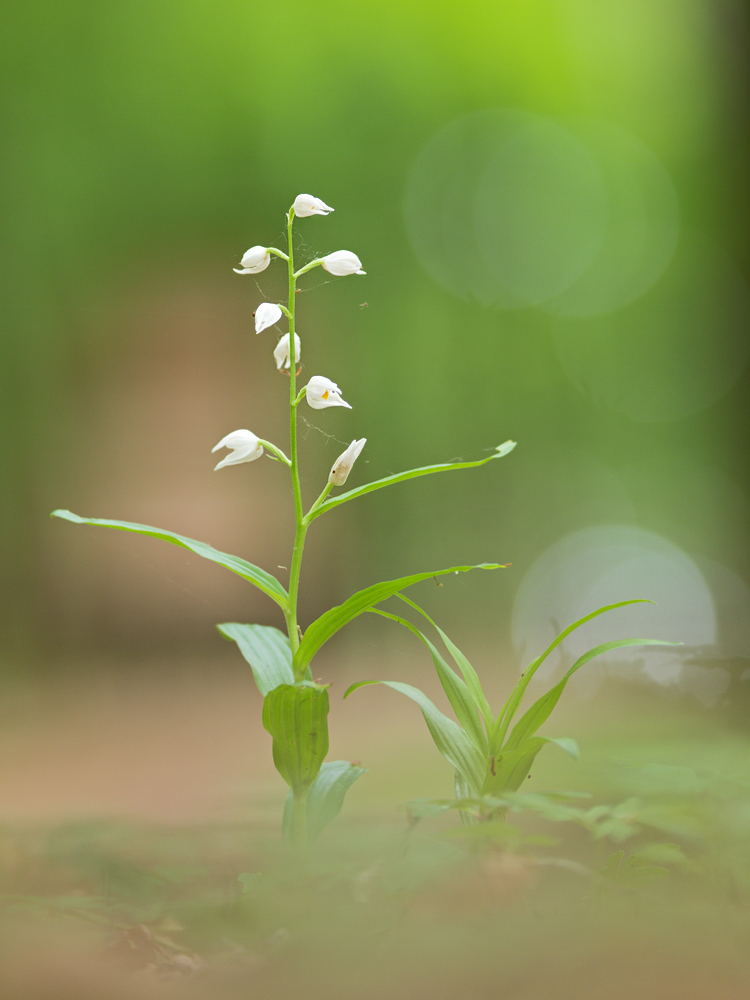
549, 200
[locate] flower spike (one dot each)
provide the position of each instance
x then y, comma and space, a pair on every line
245, 448
266, 315
255, 260
322, 392
343, 464
343, 262
281, 352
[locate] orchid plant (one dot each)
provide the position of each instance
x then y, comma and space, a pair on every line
488, 759
295, 707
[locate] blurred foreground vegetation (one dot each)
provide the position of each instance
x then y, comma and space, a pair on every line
635, 881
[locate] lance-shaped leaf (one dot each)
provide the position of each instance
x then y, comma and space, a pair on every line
528, 724
450, 739
511, 706
325, 797
455, 689
266, 649
254, 574
296, 716
469, 673
426, 470
321, 630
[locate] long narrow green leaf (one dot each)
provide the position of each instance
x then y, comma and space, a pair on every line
254, 574
426, 470
296, 716
450, 739
528, 724
511, 706
455, 689
266, 649
469, 673
321, 630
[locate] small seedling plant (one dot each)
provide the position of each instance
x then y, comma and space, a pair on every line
488, 759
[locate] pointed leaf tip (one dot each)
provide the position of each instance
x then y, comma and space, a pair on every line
567, 744
505, 448
253, 574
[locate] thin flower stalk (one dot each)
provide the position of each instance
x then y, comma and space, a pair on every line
300, 526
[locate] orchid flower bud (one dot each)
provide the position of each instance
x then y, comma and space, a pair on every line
343, 464
305, 204
343, 262
245, 448
266, 315
281, 353
256, 259
321, 392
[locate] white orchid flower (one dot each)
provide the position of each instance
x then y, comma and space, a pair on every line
343, 464
322, 392
343, 262
245, 448
266, 315
256, 259
281, 352
305, 204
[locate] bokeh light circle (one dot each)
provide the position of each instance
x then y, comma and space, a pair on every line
505, 207
642, 227
513, 209
540, 209
604, 565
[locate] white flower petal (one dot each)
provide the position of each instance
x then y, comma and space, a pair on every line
322, 392
266, 315
343, 262
281, 353
244, 445
343, 464
305, 204
255, 260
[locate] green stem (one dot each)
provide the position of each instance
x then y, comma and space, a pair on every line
300, 526
299, 820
